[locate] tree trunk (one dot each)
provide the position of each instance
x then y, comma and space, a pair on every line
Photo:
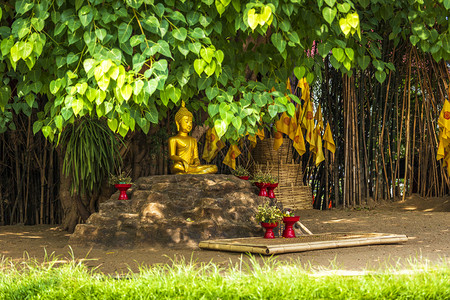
68, 202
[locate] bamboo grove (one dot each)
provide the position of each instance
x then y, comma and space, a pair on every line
378, 68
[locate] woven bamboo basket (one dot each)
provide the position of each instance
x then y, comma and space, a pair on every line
287, 174
294, 197
264, 152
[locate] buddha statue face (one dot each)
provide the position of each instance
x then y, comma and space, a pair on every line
185, 124
183, 119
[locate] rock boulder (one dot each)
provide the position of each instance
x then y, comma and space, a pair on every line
174, 211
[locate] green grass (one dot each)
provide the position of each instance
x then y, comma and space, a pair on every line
182, 280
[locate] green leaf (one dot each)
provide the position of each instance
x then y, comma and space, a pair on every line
15, 53
273, 111
46, 131
363, 62
219, 56
195, 47
37, 126
345, 26
324, 49
164, 48
6, 45
54, 86
338, 53
22, 6
379, 65
414, 39
237, 122
124, 32
299, 72
77, 105
447, 4
152, 114
103, 83
330, 2
329, 14
126, 91
113, 124
210, 68
343, 8
213, 109
59, 122
85, 15
207, 54
180, 34
138, 85
350, 53
252, 18
221, 128
278, 42
353, 20
5, 95
380, 76
199, 66
211, 92
221, 5
100, 33
150, 88
88, 64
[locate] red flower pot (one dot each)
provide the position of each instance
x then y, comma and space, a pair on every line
269, 229
289, 222
270, 188
243, 177
262, 188
123, 190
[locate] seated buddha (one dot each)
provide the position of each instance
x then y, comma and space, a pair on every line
183, 149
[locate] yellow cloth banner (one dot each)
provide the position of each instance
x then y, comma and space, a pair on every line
212, 145
260, 134
230, 158
319, 149
293, 126
303, 84
278, 140
328, 138
319, 118
309, 123
283, 123
299, 141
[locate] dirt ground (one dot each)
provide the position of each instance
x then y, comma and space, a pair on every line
426, 222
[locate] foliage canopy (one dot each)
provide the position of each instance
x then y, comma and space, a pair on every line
131, 61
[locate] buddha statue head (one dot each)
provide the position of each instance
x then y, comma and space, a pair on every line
183, 118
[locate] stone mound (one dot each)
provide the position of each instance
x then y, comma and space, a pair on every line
174, 210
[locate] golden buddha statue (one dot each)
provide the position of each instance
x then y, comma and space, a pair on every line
183, 149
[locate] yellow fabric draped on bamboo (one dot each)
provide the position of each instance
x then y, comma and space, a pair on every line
230, 158
212, 145
444, 136
328, 138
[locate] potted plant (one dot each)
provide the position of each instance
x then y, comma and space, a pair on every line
268, 215
266, 183
122, 182
289, 219
241, 172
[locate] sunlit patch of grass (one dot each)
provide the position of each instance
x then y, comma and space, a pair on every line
255, 279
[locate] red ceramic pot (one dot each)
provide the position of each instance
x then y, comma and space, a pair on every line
289, 222
269, 229
243, 177
270, 188
262, 188
123, 190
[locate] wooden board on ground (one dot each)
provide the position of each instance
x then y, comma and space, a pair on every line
259, 245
